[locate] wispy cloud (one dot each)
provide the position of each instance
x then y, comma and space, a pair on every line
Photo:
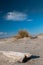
16, 16
29, 20
3, 33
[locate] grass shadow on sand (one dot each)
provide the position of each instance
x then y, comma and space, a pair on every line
32, 57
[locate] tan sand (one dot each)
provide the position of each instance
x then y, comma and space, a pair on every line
33, 46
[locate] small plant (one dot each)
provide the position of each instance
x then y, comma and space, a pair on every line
23, 34
33, 37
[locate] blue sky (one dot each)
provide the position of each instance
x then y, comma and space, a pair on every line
18, 15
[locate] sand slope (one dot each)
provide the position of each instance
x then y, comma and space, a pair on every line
34, 46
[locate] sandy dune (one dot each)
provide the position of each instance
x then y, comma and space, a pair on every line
33, 46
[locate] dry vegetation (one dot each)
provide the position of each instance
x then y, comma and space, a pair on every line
23, 33
34, 37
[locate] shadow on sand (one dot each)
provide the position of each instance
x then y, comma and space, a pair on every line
32, 57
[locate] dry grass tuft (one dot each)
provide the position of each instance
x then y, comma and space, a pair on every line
22, 34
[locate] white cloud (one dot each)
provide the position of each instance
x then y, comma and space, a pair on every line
3, 33
16, 16
29, 20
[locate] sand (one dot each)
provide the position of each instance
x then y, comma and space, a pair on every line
34, 46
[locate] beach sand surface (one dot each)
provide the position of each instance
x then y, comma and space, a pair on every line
25, 45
